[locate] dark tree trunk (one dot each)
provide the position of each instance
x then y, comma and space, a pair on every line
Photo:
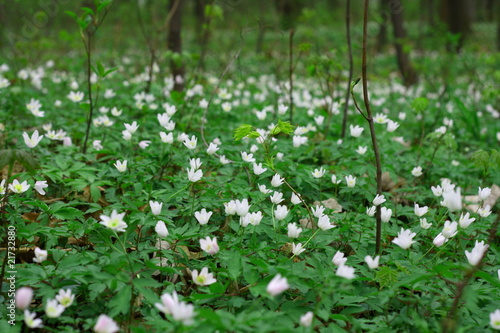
205, 34
174, 43
288, 10
384, 18
456, 14
497, 9
405, 67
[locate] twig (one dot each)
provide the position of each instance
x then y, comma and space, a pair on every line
349, 48
378, 236
290, 72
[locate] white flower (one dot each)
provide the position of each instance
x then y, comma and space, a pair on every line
350, 180
131, 128
75, 96
372, 262
242, 207
209, 245
297, 249
195, 163
144, 144
281, 212
495, 316
40, 185
293, 230
230, 207
203, 216
277, 180
449, 229
34, 140
339, 259
23, 297
484, 193
126, 135
392, 126
421, 211
404, 239
465, 220
361, 150
191, 143
251, 218
96, 144
204, 278
65, 297
318, 173
167, 138
345, 272
371, 211
437, 191
295, 199
439, 240
30, 321
264, 190
380, 118
319, 120
277, 285
385, 214
379, 199
424, 224
324, 223
181, 311
477, 253
155, 207
258, 169
335, 180
356, 130
298, 140
224, 160
318, 211
40, 255
121, 166
17, 187
417, 171
276, 198
484, 211
105, 324
306, 319
114, 221
212, 148
247, 157
161, 229
194, 175
163, 119
53, 309
452, 199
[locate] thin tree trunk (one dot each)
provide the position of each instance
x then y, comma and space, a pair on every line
455, 14
382, 33
405, 67
174, 43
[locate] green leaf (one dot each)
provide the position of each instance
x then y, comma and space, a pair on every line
67, 213
420, 104
120, 303
242, 132
386, 277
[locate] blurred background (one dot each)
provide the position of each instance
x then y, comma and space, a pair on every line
204, 34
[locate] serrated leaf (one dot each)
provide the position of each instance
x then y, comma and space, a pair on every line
242, 132
386, 277
120, 303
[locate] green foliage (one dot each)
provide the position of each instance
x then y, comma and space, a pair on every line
420, 104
